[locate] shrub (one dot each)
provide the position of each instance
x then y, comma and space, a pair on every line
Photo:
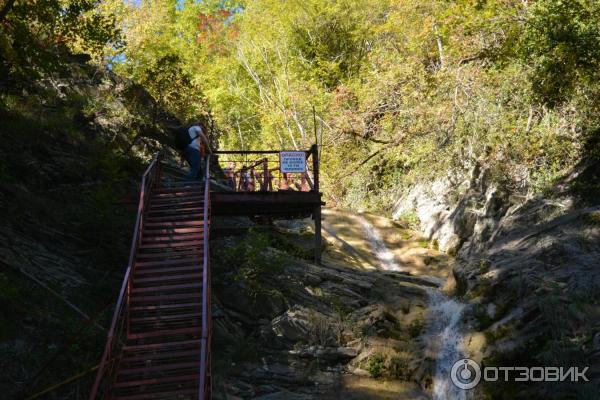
376, 365
416, 327
399, 366
256, 262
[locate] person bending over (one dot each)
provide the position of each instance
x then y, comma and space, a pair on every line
195, 152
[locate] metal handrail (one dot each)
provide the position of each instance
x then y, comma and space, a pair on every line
148, 179
204, 386
248, 164
255, 152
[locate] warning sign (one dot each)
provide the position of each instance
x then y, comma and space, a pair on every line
292, 161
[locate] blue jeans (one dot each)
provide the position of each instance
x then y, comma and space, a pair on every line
194, 159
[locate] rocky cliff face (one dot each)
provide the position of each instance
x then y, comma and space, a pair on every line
530, 266
72, 148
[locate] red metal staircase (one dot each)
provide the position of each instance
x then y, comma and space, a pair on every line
158, 345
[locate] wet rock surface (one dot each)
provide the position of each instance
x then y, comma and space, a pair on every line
320, 332
530, 269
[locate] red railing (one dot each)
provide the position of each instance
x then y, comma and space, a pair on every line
119, 320
205, 384
260, 170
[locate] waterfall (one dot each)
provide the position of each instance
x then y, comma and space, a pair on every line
446, 342
444, 336
386, 258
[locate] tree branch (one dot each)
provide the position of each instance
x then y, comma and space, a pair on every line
358, 135
366, 160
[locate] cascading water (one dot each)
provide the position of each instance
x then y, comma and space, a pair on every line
444, 336
445, 340
384, 255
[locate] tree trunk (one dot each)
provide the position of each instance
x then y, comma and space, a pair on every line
440, 46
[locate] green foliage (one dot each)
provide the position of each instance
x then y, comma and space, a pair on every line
322, 330
592, 217
35, 37
501, 332
561, 42
398, 367
416, 327
8, 291
481, 316
402, 92
162, 50
256, 262
298, 245
376, 365
394, 366
330, 41
484, 288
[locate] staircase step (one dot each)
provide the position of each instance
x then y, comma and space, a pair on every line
149, 265
196, 330
182, 182
155, 381
182, 252
168, 249
175, 196
159, 346
167, 278
172, 244
172, 201
199, 192
172, 238
153, 213
172, 231
178, 202
192, 393
193, 198
165, 307
173, 211
176, 214
176, 317
177, 224
166, 288
180, 186
158, 368
144, 272
183, 217
160, 355
157, 300
178, 190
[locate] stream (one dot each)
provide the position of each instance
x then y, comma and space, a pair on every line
443, 335
446, 341
386, 258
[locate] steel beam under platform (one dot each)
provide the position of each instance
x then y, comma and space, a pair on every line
281, 204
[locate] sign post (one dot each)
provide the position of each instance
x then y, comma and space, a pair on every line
317, 212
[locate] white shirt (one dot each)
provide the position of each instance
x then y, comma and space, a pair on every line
197, 133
